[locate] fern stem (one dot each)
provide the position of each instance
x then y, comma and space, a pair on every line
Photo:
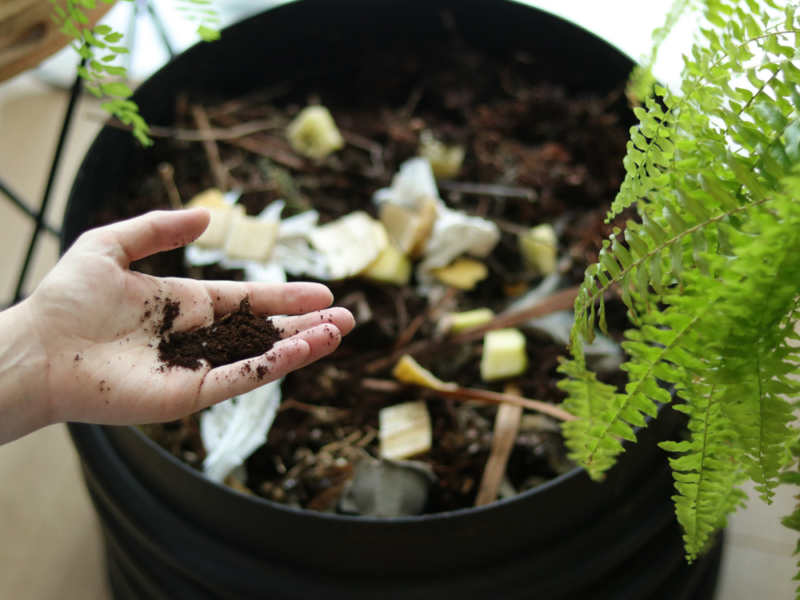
641, 381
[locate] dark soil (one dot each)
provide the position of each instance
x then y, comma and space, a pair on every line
236, 336
517, 131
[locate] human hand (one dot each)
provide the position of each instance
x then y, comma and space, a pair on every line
83, 347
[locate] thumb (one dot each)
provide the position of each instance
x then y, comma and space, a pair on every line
142, 236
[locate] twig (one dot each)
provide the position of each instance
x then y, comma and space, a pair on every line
506, 426
411, 105
167, 171
193, 135
238, 104
322, 413
563, 300
374, 148
258, 147
484, 189
259, 143
461, 393
334, 447
497, 398
212, 150
408, 333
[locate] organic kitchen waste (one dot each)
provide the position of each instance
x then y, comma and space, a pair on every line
454, 224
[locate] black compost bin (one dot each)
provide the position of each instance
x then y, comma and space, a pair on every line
172, 534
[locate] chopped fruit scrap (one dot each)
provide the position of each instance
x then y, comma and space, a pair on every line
251, 238
391, 266
445, 160
539, 249
409, 228
313, 133
455, 322
211, 198
463, 274
503, 354
221, 215
350, 244
405, 430
407, 370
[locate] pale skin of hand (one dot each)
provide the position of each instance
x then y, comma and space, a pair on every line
81, 348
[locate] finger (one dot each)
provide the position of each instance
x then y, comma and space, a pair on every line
341, 318
241, 377
287, 355
154, 232
268, 298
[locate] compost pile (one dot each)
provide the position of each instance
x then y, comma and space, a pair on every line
236, 336
547, 157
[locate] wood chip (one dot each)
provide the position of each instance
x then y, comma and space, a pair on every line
506, 426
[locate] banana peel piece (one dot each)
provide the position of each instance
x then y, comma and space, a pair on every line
222, 213
539, 249
391, 266
350, 244
405, 430
464, 273
456, 322
407, 370
251, 238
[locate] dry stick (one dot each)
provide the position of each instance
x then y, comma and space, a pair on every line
323, 413
374, 148
237, 104
506, 426
484, 189
212, 150
462, 394
258, 147
271, 147
563, 300
409, 332
193, 135
167, 172
516, 400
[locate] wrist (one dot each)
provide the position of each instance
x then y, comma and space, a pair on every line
24, 406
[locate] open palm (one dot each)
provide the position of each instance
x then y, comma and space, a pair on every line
98, 324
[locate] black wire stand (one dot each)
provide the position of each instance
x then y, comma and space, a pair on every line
41, 227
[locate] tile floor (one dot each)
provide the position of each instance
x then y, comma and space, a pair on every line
50, 544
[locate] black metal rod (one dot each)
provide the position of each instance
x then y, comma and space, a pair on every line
16, 201
77, 87
162, 33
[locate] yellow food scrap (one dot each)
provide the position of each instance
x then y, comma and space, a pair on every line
222, 214
539, 249
410, 229
313, 133
503, 354
463, 274
401, 224
251, 238
466, 320
211, 198
409, 371
391, 266
405, 430
445, 160
350, 244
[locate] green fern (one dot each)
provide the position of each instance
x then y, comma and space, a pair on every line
709, 274
95, 70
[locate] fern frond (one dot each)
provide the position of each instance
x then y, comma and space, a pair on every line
707, 473
587, 398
